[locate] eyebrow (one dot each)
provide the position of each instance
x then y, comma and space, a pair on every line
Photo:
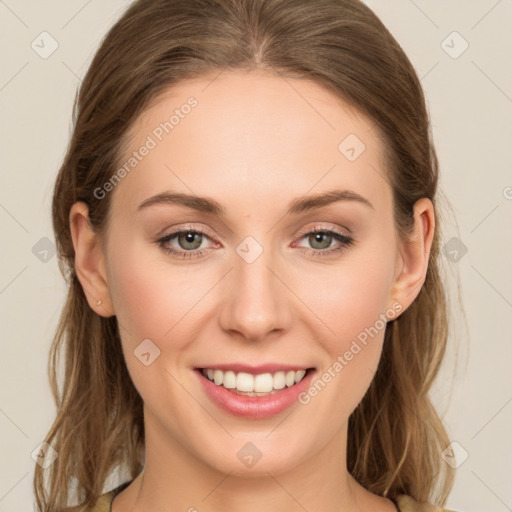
208, 205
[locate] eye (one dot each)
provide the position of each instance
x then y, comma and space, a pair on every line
188, 243
325, 241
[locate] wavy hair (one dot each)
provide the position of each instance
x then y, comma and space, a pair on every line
395, 436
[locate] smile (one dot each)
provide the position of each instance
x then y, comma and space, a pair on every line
254, 393
261, 384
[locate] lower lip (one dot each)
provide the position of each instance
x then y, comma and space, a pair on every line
254, 407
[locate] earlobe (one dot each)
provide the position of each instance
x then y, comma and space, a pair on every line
414, 255
90, 261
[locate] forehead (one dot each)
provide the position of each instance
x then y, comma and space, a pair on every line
255, 134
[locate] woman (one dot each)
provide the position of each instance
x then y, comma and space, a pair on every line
247, 219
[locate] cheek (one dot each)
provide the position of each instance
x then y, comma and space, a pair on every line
156, 301
151, 300
351, 297
352, 301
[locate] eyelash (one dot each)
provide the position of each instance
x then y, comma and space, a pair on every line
345, 241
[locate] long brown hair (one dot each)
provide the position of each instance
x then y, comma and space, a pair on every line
395, 436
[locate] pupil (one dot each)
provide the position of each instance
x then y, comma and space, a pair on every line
188, 240
323, 239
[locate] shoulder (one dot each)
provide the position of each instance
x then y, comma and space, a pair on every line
103, 503
407, 504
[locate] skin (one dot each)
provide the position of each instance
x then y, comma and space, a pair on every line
254, 143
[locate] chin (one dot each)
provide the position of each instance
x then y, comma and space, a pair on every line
255, 455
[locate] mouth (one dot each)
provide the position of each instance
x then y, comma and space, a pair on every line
259, 384
254, 393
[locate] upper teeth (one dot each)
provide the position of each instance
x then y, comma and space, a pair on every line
247, 383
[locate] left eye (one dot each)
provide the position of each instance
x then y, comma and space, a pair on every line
322, 240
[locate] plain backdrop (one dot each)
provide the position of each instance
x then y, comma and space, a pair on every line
462, 52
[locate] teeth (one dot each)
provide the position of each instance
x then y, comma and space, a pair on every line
299, 376
229, 380
244, 382
218, 377
279, 380
254, 385
264, 383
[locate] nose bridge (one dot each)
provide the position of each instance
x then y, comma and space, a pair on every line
256, 303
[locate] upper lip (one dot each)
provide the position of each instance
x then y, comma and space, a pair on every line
256, 370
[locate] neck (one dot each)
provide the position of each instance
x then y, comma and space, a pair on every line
176, 479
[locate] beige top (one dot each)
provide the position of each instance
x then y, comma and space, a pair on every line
405, 503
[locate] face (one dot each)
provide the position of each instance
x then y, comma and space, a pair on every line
287, 263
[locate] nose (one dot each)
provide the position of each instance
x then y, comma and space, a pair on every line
256, 303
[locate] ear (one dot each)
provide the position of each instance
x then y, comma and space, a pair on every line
90, 261
412, 260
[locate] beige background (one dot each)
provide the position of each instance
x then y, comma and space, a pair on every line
470, 100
